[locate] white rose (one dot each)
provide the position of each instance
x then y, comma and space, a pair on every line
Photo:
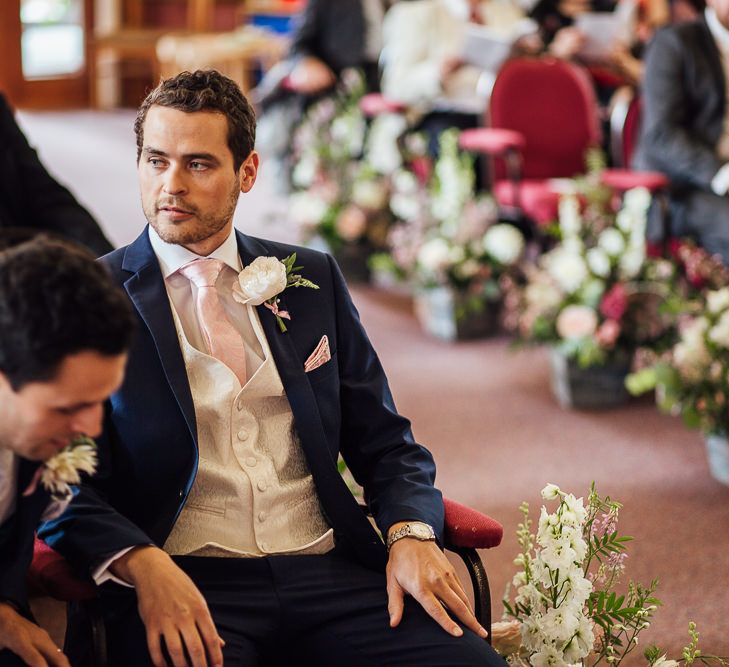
262, 279
717, 300
611, 241
405, 207
369, 194
434, 255
567, 268
599, 262
306, 209
504, 243
576, 322
719, 333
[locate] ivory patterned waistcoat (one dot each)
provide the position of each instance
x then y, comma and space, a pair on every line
253, 494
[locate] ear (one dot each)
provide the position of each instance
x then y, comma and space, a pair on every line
248, 172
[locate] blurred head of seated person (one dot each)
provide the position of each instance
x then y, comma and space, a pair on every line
30, 197
65, 331
685, 125
240, 531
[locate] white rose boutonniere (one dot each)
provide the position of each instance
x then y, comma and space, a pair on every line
62, 470
264, 279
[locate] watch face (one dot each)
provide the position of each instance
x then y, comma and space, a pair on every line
421, 531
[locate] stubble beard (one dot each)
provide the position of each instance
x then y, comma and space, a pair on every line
198, 229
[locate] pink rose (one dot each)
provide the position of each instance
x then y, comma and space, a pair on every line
576, 322
614, 303
351, 223
608, 333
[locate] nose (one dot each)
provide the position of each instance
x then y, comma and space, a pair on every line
88, 420
174, 181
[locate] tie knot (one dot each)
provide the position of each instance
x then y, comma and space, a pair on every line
202, 272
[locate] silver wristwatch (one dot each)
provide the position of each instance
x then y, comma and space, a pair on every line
416, 529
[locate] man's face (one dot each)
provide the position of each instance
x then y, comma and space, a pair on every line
721, 8
186, 177
43, 417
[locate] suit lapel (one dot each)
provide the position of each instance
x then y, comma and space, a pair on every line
146, 289
710, 47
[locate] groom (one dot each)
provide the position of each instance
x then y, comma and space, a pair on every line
220, 522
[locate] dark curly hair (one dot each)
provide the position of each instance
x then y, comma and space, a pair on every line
55, 301
205, 90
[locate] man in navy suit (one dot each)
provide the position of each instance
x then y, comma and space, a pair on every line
219, 521
65, 329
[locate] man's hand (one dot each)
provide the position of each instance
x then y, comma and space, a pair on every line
172, 607
29, 642
421, 569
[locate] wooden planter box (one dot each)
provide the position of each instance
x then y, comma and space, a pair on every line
436, 310
591, 388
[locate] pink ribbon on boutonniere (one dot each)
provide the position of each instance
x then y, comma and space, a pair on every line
273, 307
33, 482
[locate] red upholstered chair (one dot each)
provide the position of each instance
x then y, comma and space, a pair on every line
549, 110
466, 530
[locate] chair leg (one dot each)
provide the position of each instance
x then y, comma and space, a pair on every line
480, 583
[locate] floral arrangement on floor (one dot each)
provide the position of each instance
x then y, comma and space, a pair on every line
352, 180
448, 237
568, 608
692, 377
596, 295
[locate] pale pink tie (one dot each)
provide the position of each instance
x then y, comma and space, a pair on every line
222, 339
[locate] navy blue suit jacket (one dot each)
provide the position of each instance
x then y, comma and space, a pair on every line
149, 454
17, 535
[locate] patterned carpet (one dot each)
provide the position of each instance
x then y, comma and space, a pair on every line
485, 411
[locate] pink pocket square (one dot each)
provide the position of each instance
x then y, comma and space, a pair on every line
319, 356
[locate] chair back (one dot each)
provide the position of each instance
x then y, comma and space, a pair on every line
625, 115
553, 104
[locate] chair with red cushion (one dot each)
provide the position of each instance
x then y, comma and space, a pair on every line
543, 117
466, 530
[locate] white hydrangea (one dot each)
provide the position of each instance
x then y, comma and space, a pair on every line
611, 241
434, 255
570, 222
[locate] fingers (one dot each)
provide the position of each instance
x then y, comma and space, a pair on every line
436, 611
463, 612
155, 649
30, 655
213, 642
395, 600
55, 657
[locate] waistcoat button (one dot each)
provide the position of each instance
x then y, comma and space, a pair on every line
262, 518
251, 461
242, 435
261, 485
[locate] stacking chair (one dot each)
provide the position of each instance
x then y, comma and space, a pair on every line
542, 118
466, 530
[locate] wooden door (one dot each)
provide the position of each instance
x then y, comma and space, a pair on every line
44, 52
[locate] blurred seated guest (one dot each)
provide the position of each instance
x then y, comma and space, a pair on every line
31, 197
616, 49
330, 36
436, 61
685, 127
60, 359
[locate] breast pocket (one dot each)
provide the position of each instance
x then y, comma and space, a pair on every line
323, 371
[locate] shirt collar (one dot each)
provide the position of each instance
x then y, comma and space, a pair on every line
172, 256
718, 31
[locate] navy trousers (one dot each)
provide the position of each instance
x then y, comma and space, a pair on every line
305, 610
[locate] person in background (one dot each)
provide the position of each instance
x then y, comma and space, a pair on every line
685, 126
65, 331
30, 197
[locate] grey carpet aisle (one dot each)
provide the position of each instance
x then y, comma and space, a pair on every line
485, 411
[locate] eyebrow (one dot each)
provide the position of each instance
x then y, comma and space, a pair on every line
148, 150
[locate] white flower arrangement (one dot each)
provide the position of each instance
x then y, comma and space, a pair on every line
566, 612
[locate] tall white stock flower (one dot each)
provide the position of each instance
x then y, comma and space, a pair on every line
305, 170
631, 261
719, 333
405, 206
504, 243
405, 181
570, 222
567, 268
574, 513
560, 623
611, 241
548, 656
551, 492
382, 151
307, 209
558, 555
637, 200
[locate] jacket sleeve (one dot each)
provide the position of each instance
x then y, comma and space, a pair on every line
42, 202
376, 442
90, 529
667, 143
